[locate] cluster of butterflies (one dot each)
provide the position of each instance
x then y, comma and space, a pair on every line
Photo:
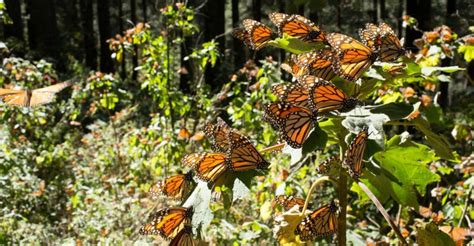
232, 152
31, 98
344, 56
322, 222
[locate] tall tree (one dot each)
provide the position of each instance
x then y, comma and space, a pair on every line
420, 10
43, 33
133, 18
106, 63
214, 29
88, 34
144, 11
123, 70
238, 46
374, 11
257, 9
14, 11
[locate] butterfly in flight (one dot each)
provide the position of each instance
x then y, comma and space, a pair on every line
168, 222
258, 35
184, 237
320, 223
32, 98
294, 122
355, 154
383, 40
288, 202
318, 63
326, 97
176, 186
351, 57
297, 26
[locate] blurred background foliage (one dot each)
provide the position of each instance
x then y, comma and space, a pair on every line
148, 75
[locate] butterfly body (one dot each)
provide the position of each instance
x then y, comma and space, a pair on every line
287, 202
297, 26
355, 154
168, 222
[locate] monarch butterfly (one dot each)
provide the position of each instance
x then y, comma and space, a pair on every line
293, 68
383, 40
390, 47
294, 122
31, 98
184, 237
287, 202
352, 57
217, 135
207, 166
355, 154
242, 154
294, 94
258, 33
320, 223
326, 97
168, 222
326, 166
297, 26
370, 36
243, 35
317, 63
176, 186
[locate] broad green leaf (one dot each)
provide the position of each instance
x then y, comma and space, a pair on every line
436, 141
334, 130
432, 236
294, 45
427, 71
394, 111
411, 170
316, 140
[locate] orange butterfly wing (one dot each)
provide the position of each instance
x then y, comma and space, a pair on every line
184, 238
217, 135
294, 94
242, 154
355, 154
258, 33
14, 97
370, 36
175, 186
287, 202
168, 222
243, 35
207, 166
320, 223
326, 97
294, 122
352, 58
297, 26
46, 95
317, 63
390, 47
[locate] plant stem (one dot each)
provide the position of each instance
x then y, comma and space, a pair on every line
342, 191
272, 148
313, 186
382, 211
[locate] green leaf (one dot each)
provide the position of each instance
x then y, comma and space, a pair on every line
439, 143
427, 71
410, 171
316, 140
294, 45
334, 130
432, 236
394, 111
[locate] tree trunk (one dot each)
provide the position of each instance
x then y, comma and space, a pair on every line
144, 9
106, 64
374, 13
43, 30
240, 56
88, 34
257, 10
420, 10
123, 70
14, 11
443, 98
215, 26
133, 17
383, 11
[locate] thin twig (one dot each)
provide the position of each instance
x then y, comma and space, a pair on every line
342, 192
313, 186
276, 147
382, 211
466, 205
